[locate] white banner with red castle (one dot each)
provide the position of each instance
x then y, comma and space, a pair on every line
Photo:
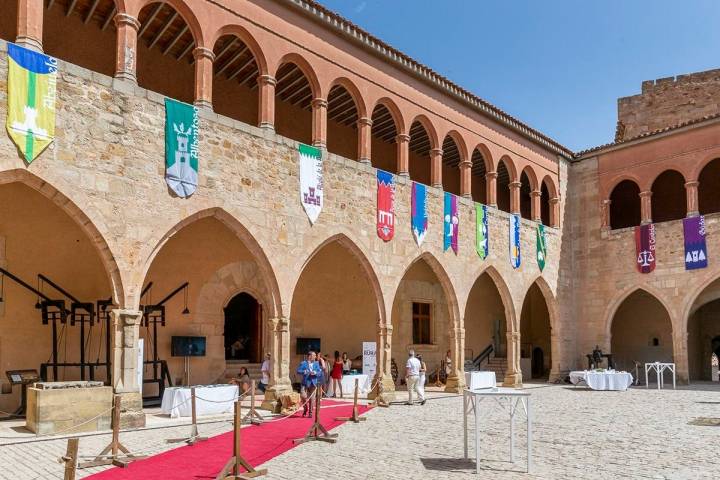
311, 180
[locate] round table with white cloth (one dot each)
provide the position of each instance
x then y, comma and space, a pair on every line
209, 400
604, 380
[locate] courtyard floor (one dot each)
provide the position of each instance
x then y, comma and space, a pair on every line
578, 434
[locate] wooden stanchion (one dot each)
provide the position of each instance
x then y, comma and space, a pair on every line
194, 435
231, 470
355, 417
252, 415
113, 459
70, 458
317, 430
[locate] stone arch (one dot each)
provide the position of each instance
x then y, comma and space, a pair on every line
612, 308
709, 182
345, 108
504, 291
387, 124
511, 167
354, 92
528, 184
89, 220
182, 8
552, 308
548, 191
247, 38
700, 327
485, 156
552, 188
505, 176
532, 177
669, 197
625, 205
395, 113
265, 268
305, 67
429, 129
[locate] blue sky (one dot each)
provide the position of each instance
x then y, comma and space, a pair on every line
558, 65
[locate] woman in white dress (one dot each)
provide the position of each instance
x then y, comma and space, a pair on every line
422, 379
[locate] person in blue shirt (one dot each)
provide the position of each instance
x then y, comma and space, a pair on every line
312, 376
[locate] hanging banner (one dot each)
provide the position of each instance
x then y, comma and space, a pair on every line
515, 241
419, 218
645, 248
385, 205
181, 147
482, 243
369, 359
311, 180
541, 246
32, 91
695, 247
451, 223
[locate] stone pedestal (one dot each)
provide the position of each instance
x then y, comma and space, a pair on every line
386, 391
64, 405
125, 334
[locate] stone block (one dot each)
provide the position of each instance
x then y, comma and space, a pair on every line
67, 408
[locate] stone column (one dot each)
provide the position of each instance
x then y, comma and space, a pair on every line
645, 207
513, 375
605, 214
383, 373
266, 109
319, 122
680, 357
126, 47
279, 362
204, 58
364, 125
466, 178
29, 24
691, 193
124, 342
515, 197
491, 188
555, 212
403, 154
456, 380
535, 206
436, 155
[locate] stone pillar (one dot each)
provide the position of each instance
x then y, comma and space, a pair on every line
364, 125
605, 214
436, 168
124, 342
466, 178
403, 154
535, 207
29, 24
204, 58
645, 207
266, 109
456, 380
383, 372
319, 122
691, 193
491, 188
680, 357
279, 362
126, 47
515, 197
555, 212
513, 375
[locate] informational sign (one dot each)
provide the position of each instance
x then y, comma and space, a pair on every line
140, 365
369, 358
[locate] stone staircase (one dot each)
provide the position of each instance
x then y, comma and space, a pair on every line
232, 368
497, 365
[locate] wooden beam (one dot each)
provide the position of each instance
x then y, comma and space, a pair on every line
109, 18
250, 61
71, 7
225, 50
150, 19
291, 84
50, 4
187, 49
90, 13
163, 30
232, 60
174, 40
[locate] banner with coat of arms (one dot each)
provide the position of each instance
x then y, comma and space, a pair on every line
418, 212
645, 248
311, 180
541, 246
451, 223
32, 92
385, 205
482, 242
695, 246
181, 147
515, 241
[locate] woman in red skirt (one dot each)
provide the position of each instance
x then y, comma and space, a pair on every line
337, 374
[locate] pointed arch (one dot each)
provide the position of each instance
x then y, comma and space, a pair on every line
504, 292
612, 308
532, 327
88, 219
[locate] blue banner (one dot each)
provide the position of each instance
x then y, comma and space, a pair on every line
515, 241
419, 219
695, 247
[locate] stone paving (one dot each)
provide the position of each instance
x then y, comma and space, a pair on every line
578, 434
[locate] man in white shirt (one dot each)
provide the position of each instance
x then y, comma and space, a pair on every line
412, 374
265, 372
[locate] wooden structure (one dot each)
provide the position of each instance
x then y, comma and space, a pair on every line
70, 458
231, 470
253, 416
355, 417
194, 435
317, 431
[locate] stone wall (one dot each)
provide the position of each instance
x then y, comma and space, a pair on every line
669, 101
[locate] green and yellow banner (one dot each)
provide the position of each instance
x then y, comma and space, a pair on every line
541, 246
32, 91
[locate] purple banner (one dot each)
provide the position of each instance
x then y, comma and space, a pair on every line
695, 247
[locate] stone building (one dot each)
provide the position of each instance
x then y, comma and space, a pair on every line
94, 215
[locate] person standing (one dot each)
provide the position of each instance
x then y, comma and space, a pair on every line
422, 378
265, 374
336, 375
311, 378
347, 364
325, 368
412, 375
447, 365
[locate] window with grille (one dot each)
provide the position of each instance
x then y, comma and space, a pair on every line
421, 321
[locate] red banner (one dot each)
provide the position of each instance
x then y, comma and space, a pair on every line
385, 205
645, 248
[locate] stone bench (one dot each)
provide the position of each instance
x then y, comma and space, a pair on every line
56, 407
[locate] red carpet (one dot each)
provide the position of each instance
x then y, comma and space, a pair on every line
204, 460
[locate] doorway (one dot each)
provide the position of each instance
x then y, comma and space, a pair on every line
243, 336
538, 363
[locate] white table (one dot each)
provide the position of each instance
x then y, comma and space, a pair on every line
348, 384
659, 368
606, 380
509, 399
477, 380
211, 399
